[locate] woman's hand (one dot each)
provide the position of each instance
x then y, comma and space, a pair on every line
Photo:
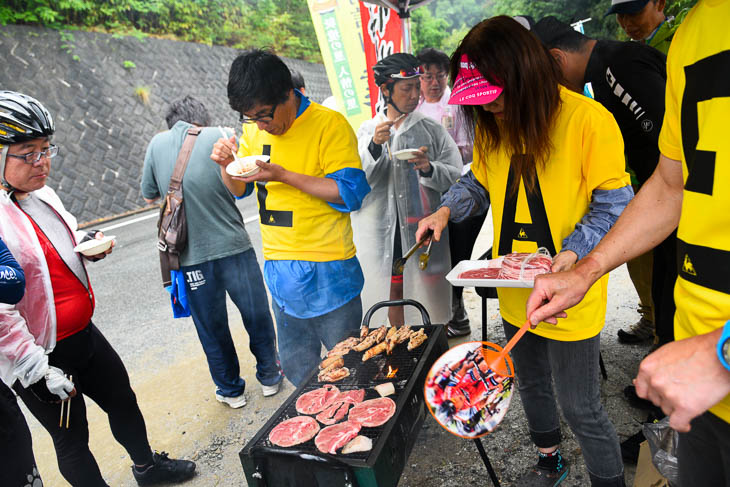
436, 221
564, 261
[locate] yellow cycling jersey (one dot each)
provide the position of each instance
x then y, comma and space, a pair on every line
696, 119
587, 154
294, 224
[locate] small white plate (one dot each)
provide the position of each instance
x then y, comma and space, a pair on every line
405, 154
468, 265
236, 168
95, 246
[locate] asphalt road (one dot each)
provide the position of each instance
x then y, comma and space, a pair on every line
169, 374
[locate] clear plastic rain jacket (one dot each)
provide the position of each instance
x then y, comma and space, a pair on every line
403, 195
28, 329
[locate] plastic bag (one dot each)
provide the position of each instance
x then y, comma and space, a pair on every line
524, 266
663, 442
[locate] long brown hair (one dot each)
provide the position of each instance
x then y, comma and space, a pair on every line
508, 55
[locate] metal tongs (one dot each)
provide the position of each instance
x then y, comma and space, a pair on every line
423, 258
399, 265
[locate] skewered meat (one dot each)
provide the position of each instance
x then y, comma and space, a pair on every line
294, 431
327, 363
417, 339
359, 443
343, 347
333, 375
391, 331
404, 333
381, 334
364, 331
368, 342
376, 350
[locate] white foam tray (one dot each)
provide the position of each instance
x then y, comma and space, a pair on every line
468, 265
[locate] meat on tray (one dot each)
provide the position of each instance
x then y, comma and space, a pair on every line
337, 411
372, 413
294, 431
315, 401
524, 266
483, 273
332, 438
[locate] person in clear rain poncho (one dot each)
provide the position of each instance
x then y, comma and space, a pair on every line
405, 188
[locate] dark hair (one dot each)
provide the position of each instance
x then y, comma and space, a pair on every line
297, 79
433, 57
508, 55
188, 109
258, 77
558, 35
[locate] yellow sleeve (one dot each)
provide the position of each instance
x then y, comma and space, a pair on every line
603, 160
244, 142
338, 149
670, 137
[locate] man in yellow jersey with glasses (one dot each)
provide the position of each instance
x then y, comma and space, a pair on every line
306, 191
689, 378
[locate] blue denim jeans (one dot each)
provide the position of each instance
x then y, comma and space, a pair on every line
207, 284
574, 368
301, 339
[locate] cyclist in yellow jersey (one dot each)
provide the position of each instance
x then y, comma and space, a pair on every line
551, 162
689, 378
305, 193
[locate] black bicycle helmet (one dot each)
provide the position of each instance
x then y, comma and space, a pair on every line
393, 68
23, 118
397, 66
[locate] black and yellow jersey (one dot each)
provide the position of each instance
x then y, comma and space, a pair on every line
695, 128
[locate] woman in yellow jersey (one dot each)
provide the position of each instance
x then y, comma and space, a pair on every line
551, 162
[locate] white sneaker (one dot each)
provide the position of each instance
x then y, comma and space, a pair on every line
234, 402
271, 390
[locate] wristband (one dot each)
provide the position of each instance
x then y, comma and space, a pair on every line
723, 347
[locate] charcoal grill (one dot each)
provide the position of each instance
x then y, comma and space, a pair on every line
267, 465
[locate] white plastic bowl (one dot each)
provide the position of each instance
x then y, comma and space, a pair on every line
95, 246
245, 166
405, 154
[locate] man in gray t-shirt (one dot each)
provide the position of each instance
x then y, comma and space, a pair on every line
218, 257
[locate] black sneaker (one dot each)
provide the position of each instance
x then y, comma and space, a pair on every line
540, 477
164, 470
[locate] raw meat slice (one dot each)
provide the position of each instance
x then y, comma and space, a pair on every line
524, 266
483, 273
315, 401
294, 431
359, 443
339, 408
373, 413
334, 437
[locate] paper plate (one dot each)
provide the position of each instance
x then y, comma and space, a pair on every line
405, 154
235, 168
464, 398
95, 246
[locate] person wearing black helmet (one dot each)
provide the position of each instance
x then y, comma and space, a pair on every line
50, 351
410, 160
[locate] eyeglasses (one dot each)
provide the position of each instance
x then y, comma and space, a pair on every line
405, 74
33, 157
263, 119
429, 77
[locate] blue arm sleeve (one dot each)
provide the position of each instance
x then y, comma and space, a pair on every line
12, 278
467, 197
605, 208
249, 190
353, 187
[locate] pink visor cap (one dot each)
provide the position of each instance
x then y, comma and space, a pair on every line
471, 88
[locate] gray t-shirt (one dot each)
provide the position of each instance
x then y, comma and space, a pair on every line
56, 230
215, 226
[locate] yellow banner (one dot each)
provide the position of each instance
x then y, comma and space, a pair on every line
339, 33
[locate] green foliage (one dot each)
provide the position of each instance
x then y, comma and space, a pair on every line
283, 25
426, 30
129, 65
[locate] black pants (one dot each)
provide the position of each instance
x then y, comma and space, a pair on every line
98, 373
461, 242
664, 276
17, 463
704, 453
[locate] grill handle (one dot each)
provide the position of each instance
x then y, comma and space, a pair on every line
396, 302
308, 455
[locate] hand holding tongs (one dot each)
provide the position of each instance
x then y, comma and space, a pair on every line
423, 258
67, 403
400, 264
